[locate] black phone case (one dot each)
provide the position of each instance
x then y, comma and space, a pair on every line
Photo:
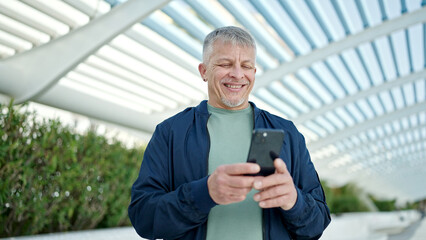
264, 148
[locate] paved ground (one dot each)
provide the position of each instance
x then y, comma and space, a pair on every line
124, 233
416, 231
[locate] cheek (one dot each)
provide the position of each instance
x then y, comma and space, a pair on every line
220, 73
251, 77
214, 86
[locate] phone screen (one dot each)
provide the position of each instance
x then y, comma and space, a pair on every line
264, 148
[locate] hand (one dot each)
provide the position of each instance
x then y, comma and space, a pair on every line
276, 190
227, 184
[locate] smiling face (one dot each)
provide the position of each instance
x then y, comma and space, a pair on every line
230, 74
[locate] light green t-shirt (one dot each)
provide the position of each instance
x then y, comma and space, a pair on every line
230, 135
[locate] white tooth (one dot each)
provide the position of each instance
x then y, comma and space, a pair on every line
232, 86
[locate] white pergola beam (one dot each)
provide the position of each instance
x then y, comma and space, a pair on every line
360, 95
347, 132
174, 55
384, 160
63, 97
351, 41
367, 145
25, 76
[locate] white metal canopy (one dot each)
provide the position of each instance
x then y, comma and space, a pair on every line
349, 73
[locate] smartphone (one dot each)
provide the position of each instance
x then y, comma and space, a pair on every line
265, 146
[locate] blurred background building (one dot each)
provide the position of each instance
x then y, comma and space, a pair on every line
349, 73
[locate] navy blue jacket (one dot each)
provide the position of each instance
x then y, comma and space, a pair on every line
170, 198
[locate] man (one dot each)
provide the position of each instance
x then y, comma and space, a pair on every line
194, 181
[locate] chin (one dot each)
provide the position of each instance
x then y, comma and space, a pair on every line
233, 103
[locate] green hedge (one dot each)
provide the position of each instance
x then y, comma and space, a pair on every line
53, 179
391, 205
344, 199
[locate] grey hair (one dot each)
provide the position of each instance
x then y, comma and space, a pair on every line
230, 34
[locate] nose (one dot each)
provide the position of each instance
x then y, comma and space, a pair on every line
236, 72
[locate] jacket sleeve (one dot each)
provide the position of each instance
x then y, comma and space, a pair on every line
310, 215
158, 211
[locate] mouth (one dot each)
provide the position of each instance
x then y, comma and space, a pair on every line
234, 86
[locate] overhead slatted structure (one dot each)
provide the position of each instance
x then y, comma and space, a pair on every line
349, 73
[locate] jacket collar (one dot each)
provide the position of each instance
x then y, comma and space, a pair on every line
202, 108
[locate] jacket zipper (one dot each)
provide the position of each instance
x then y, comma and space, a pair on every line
208, 149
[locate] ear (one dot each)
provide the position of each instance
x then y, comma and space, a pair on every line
202, 69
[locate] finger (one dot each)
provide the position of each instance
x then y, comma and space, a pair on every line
286, 201
240, 181
274, 202
230, 191
235, 198
272, 180
219, 179
222, 193
239, 191
280, 166
272, 192
240, 168
227, 195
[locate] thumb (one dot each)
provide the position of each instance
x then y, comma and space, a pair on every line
280, 166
